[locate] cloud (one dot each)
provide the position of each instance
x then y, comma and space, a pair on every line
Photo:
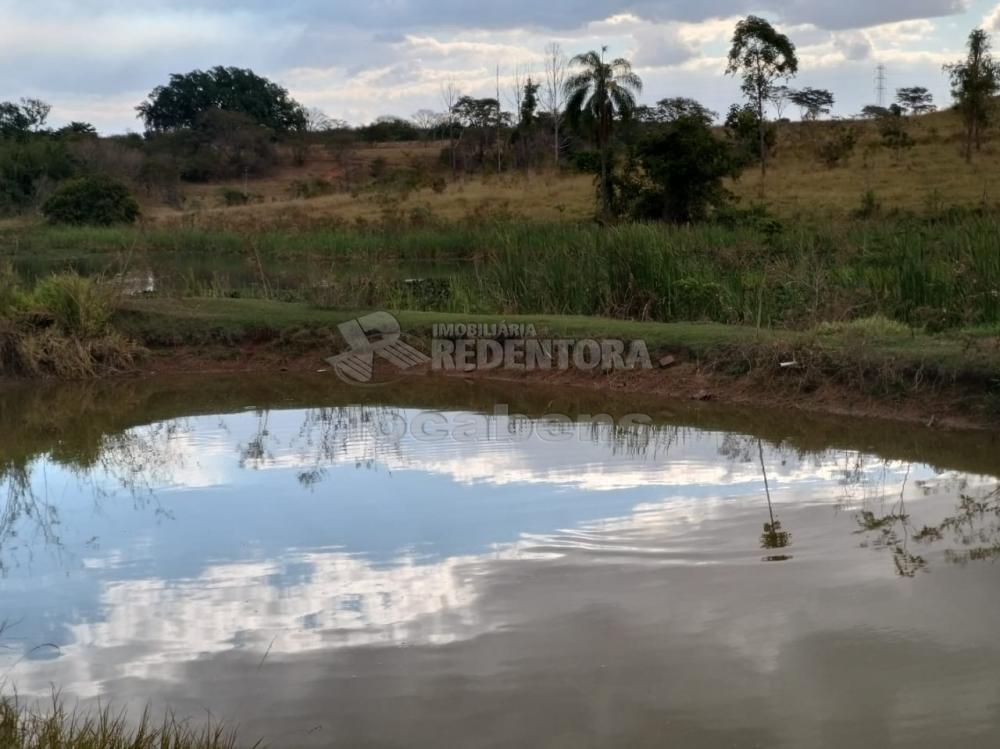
853, 46
360, 59
991, 21
661, 47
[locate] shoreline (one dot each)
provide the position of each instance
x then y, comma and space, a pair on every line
683, 381
869, 368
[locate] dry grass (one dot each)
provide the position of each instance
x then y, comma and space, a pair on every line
931, 175
542, 196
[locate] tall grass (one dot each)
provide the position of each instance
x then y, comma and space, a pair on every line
932, 276
56, 728
61, 327
935, 271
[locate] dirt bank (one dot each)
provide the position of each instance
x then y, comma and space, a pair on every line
947, 405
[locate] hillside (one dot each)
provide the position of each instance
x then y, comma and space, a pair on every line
929, 176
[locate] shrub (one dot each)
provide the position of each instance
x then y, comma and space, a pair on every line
311, 188
78, 305
837, 149
232, 197
91, 200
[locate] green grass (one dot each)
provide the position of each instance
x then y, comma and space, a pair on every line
185, 321
934, 272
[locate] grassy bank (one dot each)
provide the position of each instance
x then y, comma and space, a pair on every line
871, 358
933, 271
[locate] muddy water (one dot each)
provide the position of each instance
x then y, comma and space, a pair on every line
421, 568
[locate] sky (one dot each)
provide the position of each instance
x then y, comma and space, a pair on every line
95, 60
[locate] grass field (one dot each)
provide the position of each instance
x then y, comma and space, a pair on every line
932, 174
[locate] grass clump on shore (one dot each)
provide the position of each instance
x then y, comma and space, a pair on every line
56, 728
61, 327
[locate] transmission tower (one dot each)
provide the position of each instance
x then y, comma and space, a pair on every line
880, 85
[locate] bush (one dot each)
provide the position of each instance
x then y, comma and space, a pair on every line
232, 197
743, 127
91, 200
311, 188
837, 149
78, 305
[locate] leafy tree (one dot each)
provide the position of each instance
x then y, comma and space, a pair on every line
974, 84
77, 129
481, 119
915, 99
389, 129
529, 103
14, 122
37, 112
813, 102
27, 165
743, 128
222, 145
683, 164
673, 109
760, 55
780, 96
602, 92
188, 96
874, 112
94, 199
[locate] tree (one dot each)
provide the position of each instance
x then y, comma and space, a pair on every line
528, 111
76, 128
37, 112
14, 123
426, 119
743, 128
317, 121
761, 55
974, 83
813, 102
874, 112
17, 120
601, 92
915, 99
449, 97
683, 164
482, 117
180, 103
780, 96
675, 108
555, 86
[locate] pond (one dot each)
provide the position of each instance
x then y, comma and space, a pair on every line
449, 564
230, 274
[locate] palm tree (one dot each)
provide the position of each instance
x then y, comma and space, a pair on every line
602, 91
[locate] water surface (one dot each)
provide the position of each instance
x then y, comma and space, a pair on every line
279, 554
